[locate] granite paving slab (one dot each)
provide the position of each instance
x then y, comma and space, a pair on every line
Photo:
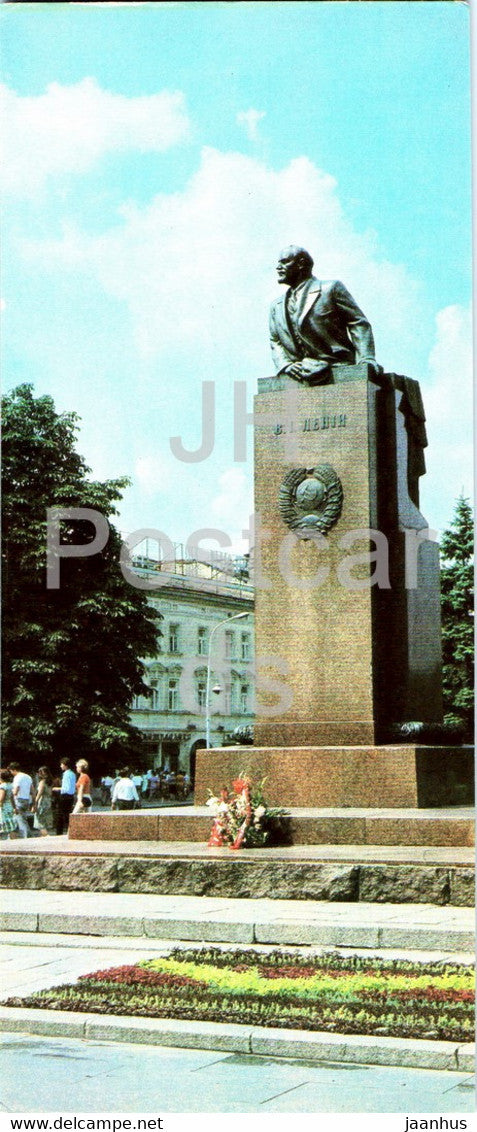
128, 1078
398, 854
283, 922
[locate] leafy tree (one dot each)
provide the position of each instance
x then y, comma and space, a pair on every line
458, 617
71, 654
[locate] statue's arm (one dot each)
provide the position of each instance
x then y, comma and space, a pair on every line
358, 327
281, 356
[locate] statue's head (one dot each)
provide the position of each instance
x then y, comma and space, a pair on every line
294, 265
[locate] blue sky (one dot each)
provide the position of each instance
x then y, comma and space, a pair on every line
160, 155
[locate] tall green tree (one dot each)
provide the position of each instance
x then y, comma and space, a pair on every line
458, 617
71, 655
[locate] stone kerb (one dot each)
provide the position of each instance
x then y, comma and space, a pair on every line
319, 1047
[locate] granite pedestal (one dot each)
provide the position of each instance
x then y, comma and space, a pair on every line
347, 615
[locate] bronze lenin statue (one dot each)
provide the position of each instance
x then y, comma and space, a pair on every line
316, 324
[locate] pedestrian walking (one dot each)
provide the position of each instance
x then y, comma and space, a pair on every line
153, 784
22, 794
107, 783
43, 804
125, 795
66, 795
137, 779
8, 817
83, 788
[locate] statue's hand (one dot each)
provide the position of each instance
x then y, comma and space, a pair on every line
306, 368
295, 370
312, 365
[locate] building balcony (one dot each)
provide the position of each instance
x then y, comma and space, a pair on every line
151, 719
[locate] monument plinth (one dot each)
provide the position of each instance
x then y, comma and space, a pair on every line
353, 632
347, 620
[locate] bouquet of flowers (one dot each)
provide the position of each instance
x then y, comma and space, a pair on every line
242, 817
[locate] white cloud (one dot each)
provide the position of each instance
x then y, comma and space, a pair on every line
233, 495
450, 358
67, 129
153, 473
195, 269
192, 274
250, 119
231, 508
449, 411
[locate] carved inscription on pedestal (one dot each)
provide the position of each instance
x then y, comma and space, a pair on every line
312, 424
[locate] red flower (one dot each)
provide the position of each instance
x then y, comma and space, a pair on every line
216, 837
134, 976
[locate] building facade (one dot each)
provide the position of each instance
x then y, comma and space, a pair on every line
201, 678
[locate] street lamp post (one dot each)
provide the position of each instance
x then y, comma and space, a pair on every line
235, 617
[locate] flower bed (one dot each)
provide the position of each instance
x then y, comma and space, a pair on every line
327, 992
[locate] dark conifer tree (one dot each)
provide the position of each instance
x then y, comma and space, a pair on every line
458, 617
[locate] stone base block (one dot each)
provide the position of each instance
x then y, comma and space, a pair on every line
316, 733
142, 825
304, 827
116, 825
344, 776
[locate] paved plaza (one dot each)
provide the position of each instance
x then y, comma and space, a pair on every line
79, 1063
69, 1075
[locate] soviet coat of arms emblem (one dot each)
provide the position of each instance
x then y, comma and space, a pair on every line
311, 499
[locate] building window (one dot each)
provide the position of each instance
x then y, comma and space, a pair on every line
173, 638
154, 699
173, 695
229, 699
201, 693
229, 644
202, 642
244, 697
245, 646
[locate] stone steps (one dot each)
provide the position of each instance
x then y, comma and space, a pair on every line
348, 826
284, 923
369, 874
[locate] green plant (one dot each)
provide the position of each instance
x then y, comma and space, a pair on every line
457, 590
327, 992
